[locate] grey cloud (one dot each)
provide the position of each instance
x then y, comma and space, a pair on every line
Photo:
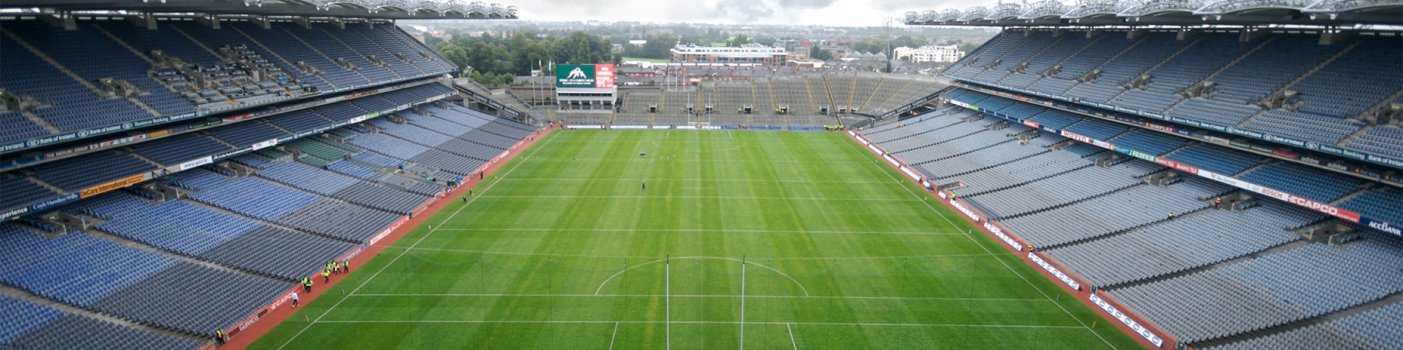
744, 11
804, 4
922, 5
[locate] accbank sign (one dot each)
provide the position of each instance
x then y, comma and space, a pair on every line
584, 76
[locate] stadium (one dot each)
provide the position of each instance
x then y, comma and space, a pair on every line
1101, 174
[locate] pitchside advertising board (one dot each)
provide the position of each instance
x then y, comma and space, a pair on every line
599, 76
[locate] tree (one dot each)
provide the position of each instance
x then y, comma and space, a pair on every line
819, 54
485, 57
765, 40
455, 54
525, 53
908, 41
738, 40
968, 47
498, 60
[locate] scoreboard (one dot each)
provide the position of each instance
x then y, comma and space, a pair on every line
585, 87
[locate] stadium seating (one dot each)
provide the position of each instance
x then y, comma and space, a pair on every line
1386, 204
33, 326
1265, 291
1203, 273
1324, 77
1055, 190
1312, 183
1098, 129
1381, 140
70, 103
162, 299
88, 170
23, 317
1216, 159
177, 149
20, 191
1148, 142
157, 272
1375, 329
74, 269
248, 133
72, 49
74, 102
1195, 240
1055, 119
344, 187
80, 172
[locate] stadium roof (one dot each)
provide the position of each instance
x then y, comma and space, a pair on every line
1168, 12
380, 9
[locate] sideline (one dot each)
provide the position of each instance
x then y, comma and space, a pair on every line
272, 317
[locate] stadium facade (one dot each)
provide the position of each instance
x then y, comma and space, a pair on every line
745, 55
1220, 174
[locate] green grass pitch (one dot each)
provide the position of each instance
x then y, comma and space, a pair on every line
763, 240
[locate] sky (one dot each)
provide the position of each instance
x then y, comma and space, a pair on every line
814, 12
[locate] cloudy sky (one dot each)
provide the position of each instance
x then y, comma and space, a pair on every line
821, 12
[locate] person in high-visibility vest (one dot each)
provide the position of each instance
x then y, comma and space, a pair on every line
219, 336
307, 285
326, 275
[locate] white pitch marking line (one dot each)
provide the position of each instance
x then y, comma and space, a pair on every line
728, 296
781, 273
590, 179
742, 306
542, 196
797, 258
616, 335
791, 336
721, 230
770, 323
1006, 265
402, 253
667, 296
